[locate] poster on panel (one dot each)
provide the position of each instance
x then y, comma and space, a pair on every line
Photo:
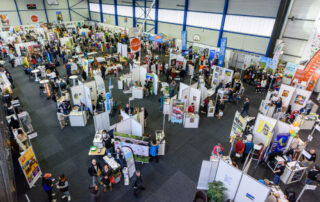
263, 129
77, 93
59, 16
299, 99
290, 70
87, 98
230, 177
239, 124
256, 192
30, 167
135, 45
286, 92
139, 145
177, 111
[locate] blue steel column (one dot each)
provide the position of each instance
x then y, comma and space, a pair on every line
225, 10
116, 12
101, 13
69, 10
89, 9
186, 5
134, 13
156, 17
145, 15
15, 2
45, 10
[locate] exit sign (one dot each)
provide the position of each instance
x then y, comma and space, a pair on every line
31, 6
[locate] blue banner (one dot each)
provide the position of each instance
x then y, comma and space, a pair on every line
211, 54
108, 101
223, 46
184, 40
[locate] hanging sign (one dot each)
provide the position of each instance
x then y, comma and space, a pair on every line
223, 46
30, 167
34, 18
184, 40
135, 45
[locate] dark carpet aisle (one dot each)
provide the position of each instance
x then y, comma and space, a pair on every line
174, 178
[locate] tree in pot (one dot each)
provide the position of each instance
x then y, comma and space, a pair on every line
215, 192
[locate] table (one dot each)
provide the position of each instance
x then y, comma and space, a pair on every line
73, 78
35, 72
137, 92
77, 118
191, 120
44, 81
97, 153
291, 175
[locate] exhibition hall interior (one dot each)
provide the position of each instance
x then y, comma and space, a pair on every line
159, 100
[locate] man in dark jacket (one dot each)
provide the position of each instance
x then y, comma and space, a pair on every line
138, 183
246, 106
313, 174
94, 171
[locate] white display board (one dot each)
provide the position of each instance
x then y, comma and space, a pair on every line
230, 176
189, 95
124, 126
136, 128
101, 121
87, 98
93, 90
100, 84
139, 74
195, 97
207, 174
299, 99
251, 190
182, 87
124, 115
77, 93
286, 92
263, 129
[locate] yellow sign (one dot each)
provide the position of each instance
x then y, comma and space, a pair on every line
265, 128
30, 166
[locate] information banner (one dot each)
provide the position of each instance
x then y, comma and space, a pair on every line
30, 167
300, 75
211, 55
128, 155
223, 46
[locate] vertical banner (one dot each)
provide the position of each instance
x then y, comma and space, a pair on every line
313, 44
313, 81
278, 51
312, 65
108, 101
271, 65
223, 46
128, 155
238, 126
211, 55
184, 41
85, 66
59, 16
30, 167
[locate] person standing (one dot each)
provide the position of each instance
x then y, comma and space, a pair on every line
172, 88
107, 142
103, 72
313, 174
246, 106
63, 186
106, 178
95, 195
238, 149
248, 147
278, 172
47, 185
138, 183
221, 109
94, 171
154, 147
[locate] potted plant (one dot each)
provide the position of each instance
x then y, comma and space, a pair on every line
215, 192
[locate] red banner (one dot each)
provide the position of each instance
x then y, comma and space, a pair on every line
300, 75
312, 65
313, 81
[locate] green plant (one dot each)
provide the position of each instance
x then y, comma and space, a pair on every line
215, 192
6, 92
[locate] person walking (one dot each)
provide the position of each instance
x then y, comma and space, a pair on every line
138, 184
246, 106
63, 186
47, 185
95, 171
154, 147
95, 194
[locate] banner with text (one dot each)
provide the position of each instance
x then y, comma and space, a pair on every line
223, 46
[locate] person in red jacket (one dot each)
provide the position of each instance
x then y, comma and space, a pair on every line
239, 148
191, 108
